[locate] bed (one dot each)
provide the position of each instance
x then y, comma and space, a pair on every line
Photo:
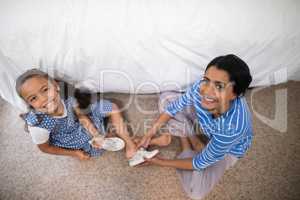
140, 46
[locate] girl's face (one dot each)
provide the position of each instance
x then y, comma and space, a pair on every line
41, 94
216, 91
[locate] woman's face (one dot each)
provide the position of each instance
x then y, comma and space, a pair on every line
41, 94
216, 91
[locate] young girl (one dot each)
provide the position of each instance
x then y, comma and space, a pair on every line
65, 127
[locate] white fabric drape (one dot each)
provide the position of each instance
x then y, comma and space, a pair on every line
142, 46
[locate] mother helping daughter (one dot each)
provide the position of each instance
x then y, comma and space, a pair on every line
70, 126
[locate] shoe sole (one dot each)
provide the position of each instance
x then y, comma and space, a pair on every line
133, 163
112, 144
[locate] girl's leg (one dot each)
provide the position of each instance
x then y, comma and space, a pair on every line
121, 130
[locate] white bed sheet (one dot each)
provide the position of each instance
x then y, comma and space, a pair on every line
141, 46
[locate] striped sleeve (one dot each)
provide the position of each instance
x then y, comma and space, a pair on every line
179, 104
232, 131
214, 151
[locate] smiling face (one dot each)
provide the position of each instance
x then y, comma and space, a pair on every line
216, 91
42, 95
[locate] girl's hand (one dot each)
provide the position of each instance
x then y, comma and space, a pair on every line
97, 142
81, 155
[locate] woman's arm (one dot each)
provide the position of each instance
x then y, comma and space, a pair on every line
50, 149
162, 119
186, 164
174, 107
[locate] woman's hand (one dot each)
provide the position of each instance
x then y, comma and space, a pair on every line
156, 160
145, 141
162, 119
81, 155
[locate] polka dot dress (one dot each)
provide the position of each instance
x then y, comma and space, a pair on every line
67, 132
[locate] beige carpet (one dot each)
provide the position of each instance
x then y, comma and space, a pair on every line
270, 170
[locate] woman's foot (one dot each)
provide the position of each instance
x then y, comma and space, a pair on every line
196, 143
185, 144
162, 141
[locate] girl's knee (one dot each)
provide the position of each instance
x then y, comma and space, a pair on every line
115, 108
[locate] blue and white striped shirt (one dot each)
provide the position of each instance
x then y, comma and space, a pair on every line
230, 133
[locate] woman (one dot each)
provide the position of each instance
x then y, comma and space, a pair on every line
216, 101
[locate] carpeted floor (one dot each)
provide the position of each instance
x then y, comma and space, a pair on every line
270, 170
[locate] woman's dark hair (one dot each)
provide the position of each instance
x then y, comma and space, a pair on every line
237, 70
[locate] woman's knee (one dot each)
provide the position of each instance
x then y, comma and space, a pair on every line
166, 139
165, 98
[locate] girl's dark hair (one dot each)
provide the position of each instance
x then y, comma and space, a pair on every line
237, 70
84, 98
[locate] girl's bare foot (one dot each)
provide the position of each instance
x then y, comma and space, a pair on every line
137, 139
130, 149
110, 134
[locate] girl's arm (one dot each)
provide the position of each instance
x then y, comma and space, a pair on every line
50, 149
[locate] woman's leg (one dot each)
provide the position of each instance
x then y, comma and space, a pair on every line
203, 181
181, 124
196, 143
163, 140
121, 130
185, 144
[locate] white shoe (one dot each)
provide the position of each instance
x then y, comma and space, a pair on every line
110, 144
139, 156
